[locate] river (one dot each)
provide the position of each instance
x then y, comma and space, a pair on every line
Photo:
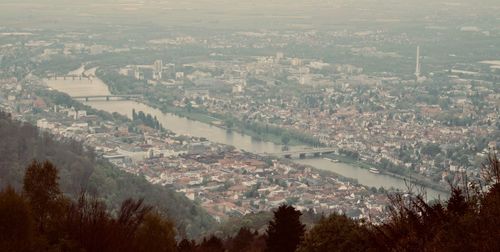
184, 126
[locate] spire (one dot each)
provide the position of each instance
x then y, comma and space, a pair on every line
417, 67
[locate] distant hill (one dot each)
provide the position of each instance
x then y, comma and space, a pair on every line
80, 169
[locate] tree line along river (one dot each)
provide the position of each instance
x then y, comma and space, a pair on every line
184, 126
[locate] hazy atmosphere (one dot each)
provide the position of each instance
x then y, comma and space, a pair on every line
310, 125
259, 14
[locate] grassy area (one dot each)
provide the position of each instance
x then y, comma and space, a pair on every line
193, 115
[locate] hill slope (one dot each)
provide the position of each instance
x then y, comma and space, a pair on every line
80, 169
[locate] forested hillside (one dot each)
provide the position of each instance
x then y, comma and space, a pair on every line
80, 170
41, 218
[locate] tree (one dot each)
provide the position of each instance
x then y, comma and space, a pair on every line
229, 124
189, 106
156, 234
489, 214
131, 215
285, 139
186, 246
213, 244
141, 116
285, 231
242, 240
88, 224
134, 115
467, 221
431, 149
41, 188
21, 143
335, 233
16, 222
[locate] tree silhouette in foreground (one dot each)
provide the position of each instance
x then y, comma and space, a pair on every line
42, 219
285, 231
16, 222
213, 244
79, 168
242, 240
335, 233
468, 221
41, 188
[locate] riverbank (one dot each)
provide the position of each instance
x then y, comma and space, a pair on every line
417, 180
199, 124
275, 135
258, 131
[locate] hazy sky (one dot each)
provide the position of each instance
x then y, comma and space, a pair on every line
26, 13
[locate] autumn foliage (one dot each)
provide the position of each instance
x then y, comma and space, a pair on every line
41, 218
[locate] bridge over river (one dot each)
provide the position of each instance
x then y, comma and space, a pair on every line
100, 98
302, 153
107, 97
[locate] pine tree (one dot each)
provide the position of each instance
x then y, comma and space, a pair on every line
285, 231
242, 240
213, 244
186, 246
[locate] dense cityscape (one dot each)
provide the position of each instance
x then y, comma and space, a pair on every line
331, 120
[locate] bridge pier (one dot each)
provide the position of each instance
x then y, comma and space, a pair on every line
107, 98
302, 155
317, 154
289, 156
